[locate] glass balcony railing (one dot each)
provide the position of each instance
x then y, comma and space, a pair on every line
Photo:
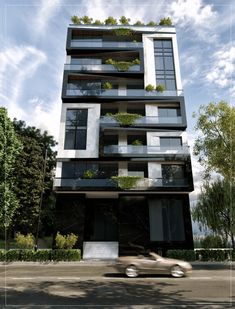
145, 120
121, 92
99, 184
131, 150
100, 43
98, 67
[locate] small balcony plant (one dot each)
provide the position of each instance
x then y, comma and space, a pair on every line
89, 174
126, 182
125, 119
149, 88
107, 86
137, 142
160, 88
122, 65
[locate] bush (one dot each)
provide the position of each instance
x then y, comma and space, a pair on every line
65, 242
151, 24
12, 255
2, 255
149, 88
66, 255
165, 22
86, 20
97, 22
110, 21
124, 21
139, 23
126, 182
125, 119
212, 255
42, 255
160, 88
107, 85
25, 241
76, 20
187, 255
211, 241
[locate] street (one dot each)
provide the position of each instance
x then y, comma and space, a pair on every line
93, 285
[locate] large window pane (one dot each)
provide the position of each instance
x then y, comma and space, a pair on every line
80, 139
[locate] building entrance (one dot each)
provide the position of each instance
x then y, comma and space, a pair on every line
101, 220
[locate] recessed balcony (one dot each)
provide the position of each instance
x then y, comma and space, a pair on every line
99, 43
143, 184
143, 121
98, 67
143, 150
135, 93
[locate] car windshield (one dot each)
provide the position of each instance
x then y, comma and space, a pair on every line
155, 256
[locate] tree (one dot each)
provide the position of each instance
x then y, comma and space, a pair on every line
10, 147
31, 181
211, 241
215, 209
215, 146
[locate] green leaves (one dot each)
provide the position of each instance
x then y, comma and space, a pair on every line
126, 182
125, 119
215, 145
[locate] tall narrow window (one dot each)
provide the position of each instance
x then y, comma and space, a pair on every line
76, 129
164, 64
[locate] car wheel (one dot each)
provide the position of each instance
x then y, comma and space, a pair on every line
177, 271
131, 271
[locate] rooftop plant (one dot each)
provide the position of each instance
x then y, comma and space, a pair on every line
125, 119
165, 22
160, 88
110, 21
126, 182
122, 65
124, 21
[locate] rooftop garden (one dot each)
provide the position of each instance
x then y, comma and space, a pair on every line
123, 21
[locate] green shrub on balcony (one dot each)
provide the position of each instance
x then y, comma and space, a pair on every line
123, 32
89, 174
122, 65
126, 182
165, 22
160, 88
125, 119
107, 86
137, 142
149, 88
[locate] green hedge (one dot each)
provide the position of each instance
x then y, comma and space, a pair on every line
40, 255
202, 255
187, 255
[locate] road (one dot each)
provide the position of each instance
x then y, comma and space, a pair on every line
98, 285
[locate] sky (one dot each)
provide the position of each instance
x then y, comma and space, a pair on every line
32, 53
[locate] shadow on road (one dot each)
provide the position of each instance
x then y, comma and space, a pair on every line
107, 294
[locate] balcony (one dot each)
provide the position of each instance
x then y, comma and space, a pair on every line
143, 121
130, 150
135, 93
98, 67
99, 43
143, 184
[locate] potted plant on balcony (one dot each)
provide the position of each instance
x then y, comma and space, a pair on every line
149, 88
160, 88
126, 182
122, 66
107, 86
89, 174
137, 146
125, 119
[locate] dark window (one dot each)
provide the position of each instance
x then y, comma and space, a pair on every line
171, 172
170, 142
164, 64
76, 129
77, 169
138, 169
169, 112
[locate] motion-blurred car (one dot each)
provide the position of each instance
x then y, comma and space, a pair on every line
133, 266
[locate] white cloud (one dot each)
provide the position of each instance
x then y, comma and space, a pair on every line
194, 14
222, 68
47, 10
17, 64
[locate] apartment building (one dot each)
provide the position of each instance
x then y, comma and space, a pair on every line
123, 174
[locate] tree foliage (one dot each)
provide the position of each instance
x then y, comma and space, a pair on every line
31, 181
215, 209
10, 147
215, 146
